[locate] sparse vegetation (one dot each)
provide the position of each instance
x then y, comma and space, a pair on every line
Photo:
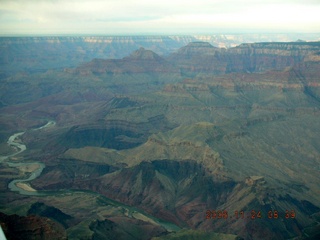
170, 137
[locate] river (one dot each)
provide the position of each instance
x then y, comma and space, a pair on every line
18, 185
21, 186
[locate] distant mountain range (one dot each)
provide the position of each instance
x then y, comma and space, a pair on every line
201, 57
41, 53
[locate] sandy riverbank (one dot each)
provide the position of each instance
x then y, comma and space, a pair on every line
29, 168
25, 187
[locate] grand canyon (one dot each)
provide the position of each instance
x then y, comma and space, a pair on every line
165, 137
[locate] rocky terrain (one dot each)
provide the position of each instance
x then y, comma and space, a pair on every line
40, 53
199, 141
31, 227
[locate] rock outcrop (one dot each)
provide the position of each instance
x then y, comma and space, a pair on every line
140, 61
31, 227
199, 57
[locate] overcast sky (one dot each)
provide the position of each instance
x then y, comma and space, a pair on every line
158, 16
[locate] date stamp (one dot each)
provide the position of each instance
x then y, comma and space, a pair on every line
253, 214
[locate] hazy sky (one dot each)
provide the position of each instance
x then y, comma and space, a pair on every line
158, 16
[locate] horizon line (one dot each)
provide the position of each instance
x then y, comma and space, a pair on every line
148, 34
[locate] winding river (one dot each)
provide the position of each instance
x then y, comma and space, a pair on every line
16, 185
20, 186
